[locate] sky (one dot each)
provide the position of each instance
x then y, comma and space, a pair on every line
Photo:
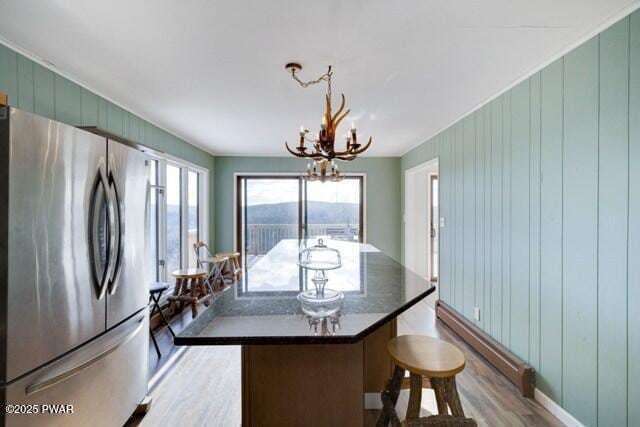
262, 191
173, 186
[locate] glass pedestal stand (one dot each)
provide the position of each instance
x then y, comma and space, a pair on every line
320, 302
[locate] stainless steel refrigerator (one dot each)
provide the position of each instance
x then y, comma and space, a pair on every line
73, 273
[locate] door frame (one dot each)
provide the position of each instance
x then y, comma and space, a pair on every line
431, 167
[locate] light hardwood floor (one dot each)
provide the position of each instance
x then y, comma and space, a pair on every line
203, 387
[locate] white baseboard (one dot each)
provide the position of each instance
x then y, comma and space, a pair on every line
555, 409
372, 401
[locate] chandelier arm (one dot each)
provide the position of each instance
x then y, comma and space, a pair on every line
340, 156
339, 119
362, 149
319, 154
345, 153
322, 152
327, 111
333, 119
297, 154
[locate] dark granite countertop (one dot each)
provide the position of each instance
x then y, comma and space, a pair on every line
262, 307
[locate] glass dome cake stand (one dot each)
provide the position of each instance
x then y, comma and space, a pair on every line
320, 301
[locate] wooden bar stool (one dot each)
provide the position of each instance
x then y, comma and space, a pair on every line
231, 270
427, 357
191, 289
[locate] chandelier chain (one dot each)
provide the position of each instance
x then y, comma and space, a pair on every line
325, 77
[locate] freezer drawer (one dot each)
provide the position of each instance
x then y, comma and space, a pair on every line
103, 380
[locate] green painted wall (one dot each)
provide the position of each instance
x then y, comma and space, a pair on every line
382, 195
540, 189
34, 88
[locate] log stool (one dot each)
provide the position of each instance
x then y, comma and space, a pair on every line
190, 288
440, 421
231, 270
427, 357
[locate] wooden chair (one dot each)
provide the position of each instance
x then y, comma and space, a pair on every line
427, 357
190, 289
231, 269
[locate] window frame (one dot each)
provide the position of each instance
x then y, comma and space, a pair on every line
159, 202
161, 199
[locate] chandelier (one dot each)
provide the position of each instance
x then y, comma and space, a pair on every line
322, 165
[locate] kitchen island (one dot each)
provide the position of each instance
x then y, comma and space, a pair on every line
302, 370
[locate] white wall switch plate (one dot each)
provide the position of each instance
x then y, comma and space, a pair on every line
476, 313
442, 222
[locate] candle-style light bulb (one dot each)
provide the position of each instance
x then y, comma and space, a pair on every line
353, 141
301, 143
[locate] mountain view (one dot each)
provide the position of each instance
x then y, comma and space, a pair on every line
317, 213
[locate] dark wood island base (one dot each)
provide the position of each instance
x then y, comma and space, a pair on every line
314, 384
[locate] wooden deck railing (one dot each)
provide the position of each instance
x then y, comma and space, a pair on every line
262, 237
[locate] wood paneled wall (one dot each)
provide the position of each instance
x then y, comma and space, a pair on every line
34, 88
540, 190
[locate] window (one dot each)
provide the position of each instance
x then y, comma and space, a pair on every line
274, 208
178, 213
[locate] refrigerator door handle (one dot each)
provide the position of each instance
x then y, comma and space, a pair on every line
100, 271
76, 369
118, 241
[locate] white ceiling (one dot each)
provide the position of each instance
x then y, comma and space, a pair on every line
212, 72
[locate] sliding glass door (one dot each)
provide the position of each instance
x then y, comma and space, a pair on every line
271, 209
269, 212
334, 209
